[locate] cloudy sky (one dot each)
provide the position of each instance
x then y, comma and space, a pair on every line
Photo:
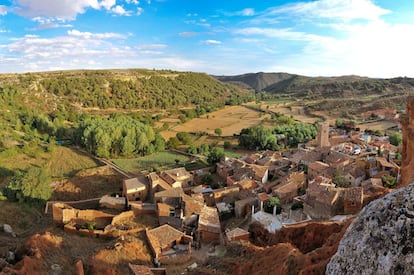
316, 38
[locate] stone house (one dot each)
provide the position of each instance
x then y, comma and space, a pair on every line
178, 177
209, 227
353, 199
318, 168
236, 235
289, 187
165, 241
136, 189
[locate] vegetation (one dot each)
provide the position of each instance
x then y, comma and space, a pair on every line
30, 186
271, 203
289, 134
389, 181
339, 178
215, 155
153, 162
396, 139
118, 136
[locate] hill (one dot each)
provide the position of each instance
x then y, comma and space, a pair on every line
353, 94
256, 81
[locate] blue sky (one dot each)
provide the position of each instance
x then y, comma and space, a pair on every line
315, 38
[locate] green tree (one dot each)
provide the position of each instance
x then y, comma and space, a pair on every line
34, 184
339, 178
396, 139
218, 131
215, 155
272, 202
389, 181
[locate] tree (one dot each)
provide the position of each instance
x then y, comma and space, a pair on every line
215, 155
339, 178
227, 144
389, 181
218, 131
272, 202
396, 139
339, 123
34, 184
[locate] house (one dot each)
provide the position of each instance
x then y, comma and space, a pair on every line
321, 201
269, 222
136, 189
157, 184
243, 207
178, 177
336, 159
352, 200
318, 168
176, 208
237, 234
226, 192
289, 187
355, 176
386, 166
165, 241
246, 183
209, 228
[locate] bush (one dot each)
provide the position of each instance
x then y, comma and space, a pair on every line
297, 205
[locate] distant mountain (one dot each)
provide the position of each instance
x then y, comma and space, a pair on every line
339, 94
256, 81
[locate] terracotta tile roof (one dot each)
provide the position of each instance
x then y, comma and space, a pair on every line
209, 220
163, 236
173, 192
236, 232
138, 183
318, 166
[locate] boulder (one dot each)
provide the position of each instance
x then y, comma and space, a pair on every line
381, 239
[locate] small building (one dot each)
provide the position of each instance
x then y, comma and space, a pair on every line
237, 234
290, 186
269, 222
318, 168
113, 202
136, 189
246, 183
165, 241
353, 199
209, 228
243, 207
178, 177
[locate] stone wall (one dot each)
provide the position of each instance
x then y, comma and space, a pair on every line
407, 123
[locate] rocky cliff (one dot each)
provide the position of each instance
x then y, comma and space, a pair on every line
381, 238
407, 123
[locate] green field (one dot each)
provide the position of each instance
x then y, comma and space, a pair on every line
158, 161
62, 162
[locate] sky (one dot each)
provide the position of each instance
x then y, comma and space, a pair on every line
372, 38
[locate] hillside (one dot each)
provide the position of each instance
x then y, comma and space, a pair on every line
256, 81
352, 94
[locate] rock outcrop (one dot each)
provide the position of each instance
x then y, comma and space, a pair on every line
407, 123
381, 238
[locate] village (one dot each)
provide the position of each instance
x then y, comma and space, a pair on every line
327, 179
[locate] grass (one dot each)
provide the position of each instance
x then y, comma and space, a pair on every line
62, 162
232, 154
158, 161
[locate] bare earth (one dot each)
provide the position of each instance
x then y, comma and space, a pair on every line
231, 120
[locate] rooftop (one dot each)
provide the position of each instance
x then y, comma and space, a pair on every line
163, 236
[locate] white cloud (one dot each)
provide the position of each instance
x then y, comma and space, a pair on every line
107, 4
188, 34
345, 10
135, 2
119, 10
64, 10
3, 10
212, 42
247, 12
152, 46
139, 11
89, 35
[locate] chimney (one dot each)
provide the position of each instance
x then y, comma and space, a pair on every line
261, 205
274, 210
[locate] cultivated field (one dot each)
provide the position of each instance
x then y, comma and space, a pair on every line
161, 160
230, 120
377, 125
